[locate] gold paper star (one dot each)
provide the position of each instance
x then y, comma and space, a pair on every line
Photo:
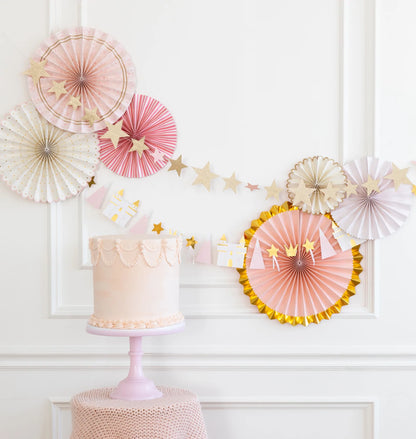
308, 245
58, 88
371, 185
37, 71
92, 181
350, 189
90, 116
231, 183
414, 189
272, 251
177, 165
273, 191
139, 146
399, 176
204, 176
330, 192
191, 242
291, 251
302, 194
114, 132
157, 228
252, 187
74, 101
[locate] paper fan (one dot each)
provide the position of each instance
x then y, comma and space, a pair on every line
80, 78
298, 286
316, 184
369, 214
40, 161
149, 128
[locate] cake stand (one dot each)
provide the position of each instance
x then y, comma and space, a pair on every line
136, 387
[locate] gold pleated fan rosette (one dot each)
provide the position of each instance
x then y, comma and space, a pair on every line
304, 288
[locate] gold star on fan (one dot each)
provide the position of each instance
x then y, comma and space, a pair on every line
139, 146
371, 185
350, 189
308, 245
157, 228
114, 132
330, 191
204, 176
273, 191
90, 116
92, 181
177, 165
272, 251
399, 176
74, 101
191, 242
58, 88
37, 71
231, 183
302, 194
291, 251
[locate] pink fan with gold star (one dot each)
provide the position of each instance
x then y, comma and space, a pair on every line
80, 79
141, 142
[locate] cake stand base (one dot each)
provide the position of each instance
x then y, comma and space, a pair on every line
136, 387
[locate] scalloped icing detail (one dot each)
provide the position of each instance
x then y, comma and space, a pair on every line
136, 324
153, 251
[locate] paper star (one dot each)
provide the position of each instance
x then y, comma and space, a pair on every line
157, 228
204, 176
291, 251
92, 181
371, 185
114, 132
414, 189
272, 251
302, 194
330, 191
231, 183
273, 191
191, 242
158, 156
37, 70
90, 116
58, 88
350, 189
139, 146
177, 165
252, 187
74, 101
399, 176
308, 245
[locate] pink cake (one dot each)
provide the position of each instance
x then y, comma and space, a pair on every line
136, 281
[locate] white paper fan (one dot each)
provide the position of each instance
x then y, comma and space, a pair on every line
42, 162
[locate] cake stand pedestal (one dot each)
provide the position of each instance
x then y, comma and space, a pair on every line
136, 387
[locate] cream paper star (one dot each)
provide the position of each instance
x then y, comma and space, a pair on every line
302, 194
371, 185
114, 132
177, 165
272, 251
158, 156
90, 116
309, 245
273, 191
58, 88
350, 189
231, 183
74, 101
139, 146
204, 176
330, 192
399, 176
37, 71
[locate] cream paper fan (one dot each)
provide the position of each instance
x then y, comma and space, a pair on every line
324, 181
42, 162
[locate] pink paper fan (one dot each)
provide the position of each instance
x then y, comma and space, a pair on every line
95, 71
146, 117
302, 285
378, 214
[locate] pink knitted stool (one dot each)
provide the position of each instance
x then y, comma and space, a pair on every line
176, 415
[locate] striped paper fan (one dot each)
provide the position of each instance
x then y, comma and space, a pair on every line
145, 118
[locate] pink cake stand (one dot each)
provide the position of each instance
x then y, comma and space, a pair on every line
136, 387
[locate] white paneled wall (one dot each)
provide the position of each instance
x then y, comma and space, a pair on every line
254, 86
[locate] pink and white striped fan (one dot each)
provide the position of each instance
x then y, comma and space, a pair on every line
91, 72
145, 118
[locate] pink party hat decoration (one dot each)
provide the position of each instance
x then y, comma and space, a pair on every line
327, 250
204, 253
97, 198
257, 262
140, 228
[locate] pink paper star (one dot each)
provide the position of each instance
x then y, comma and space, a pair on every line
252, 187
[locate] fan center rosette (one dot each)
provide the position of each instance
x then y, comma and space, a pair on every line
297, 285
